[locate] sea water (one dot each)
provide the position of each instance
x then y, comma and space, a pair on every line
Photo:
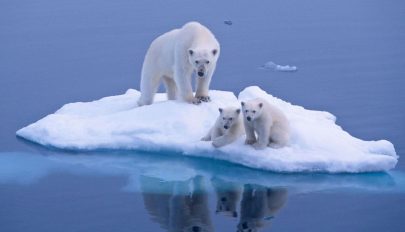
350, 56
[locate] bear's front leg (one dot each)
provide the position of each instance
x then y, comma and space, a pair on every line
220, 141
183, 82
250, 134
263, 136
202, 89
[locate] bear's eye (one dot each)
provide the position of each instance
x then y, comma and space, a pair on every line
207, 62
254, 111
223, 118
230, 119
197, 62
246, 111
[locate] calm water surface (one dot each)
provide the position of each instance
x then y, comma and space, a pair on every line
351, 62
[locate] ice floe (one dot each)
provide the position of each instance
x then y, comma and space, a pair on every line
116, 123
276, 67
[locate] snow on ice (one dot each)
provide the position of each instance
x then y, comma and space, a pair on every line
317, 144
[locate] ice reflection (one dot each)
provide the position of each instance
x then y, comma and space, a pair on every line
188, 194
29, 168
183, 205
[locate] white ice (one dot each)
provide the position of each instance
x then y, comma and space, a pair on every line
317, 143
276, 67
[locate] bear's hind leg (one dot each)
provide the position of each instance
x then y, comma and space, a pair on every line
149, 86
279, 137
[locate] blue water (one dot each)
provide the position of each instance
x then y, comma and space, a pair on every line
351, 62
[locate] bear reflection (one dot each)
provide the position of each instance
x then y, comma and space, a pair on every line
178, 206
259, 205
228, 196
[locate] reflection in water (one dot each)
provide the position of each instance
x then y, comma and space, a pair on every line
259, 205
228, 196
29, 168
176, 190
177, 205
182, 206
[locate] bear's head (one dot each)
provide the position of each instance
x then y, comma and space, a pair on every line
228, 117
252, 109
202, 60
226, 205
197, 226
248, 226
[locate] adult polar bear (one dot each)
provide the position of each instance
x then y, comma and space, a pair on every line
173, 57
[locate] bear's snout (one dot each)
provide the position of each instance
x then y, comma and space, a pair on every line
196, 229
248, 118
200, 73
226, 127
245, 225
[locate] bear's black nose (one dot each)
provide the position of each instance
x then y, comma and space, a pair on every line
226, 127
245, 225
223, 199
201, 74
248, 118
196, 229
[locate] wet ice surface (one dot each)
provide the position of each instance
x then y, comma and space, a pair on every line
30, 168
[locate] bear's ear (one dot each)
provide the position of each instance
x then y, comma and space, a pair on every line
214, 52
238, 111
220, 110
242, 103
260, 105
191, 52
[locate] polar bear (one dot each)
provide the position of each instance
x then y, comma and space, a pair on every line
227, 128
270, 124
174, 57
259, 206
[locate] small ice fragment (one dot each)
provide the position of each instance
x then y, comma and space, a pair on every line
228, 22
281, 68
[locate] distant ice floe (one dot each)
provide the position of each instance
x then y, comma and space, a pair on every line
317, 143
276, 67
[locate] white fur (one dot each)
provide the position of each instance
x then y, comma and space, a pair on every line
231, 119
172, 58
267, 121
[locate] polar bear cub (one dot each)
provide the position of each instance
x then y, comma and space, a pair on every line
267, 121
174, 57
227, 128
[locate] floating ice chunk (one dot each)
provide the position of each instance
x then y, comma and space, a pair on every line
317, 143
281, 68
